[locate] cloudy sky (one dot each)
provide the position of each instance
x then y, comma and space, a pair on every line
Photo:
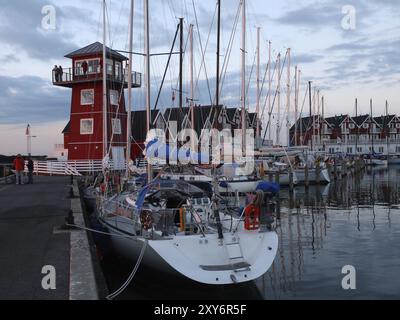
342, 61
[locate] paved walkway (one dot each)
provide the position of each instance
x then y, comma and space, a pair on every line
28, 216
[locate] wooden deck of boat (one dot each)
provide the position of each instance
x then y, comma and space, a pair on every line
30, 218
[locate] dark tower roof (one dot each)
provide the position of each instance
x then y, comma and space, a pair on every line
96, 48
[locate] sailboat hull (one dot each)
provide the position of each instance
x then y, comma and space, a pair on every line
240, 186
312, 176
201, 259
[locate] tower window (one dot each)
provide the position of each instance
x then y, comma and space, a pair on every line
87, 97
114, 97
86, 126
116, 125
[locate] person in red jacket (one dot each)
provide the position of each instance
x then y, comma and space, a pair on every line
19, 165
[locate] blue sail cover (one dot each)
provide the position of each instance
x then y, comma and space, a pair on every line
141, 197
266, 186
155, 149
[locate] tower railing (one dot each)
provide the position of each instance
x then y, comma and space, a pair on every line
70, 75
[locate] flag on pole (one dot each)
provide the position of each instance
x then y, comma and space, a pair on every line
28, 130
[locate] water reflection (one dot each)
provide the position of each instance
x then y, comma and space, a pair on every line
353, 221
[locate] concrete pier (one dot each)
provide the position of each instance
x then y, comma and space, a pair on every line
31, 239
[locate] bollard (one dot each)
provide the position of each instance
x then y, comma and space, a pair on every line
71, 193
70, 218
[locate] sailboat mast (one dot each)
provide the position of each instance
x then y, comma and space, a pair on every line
357, 126
319, 118
388, 129
371, 126
296, 106
105, 109
129, 118
288, 94
147, 78
191, 102
181, 65
258, 85
243, 75
269, 91
217, 76
278, 125
311, 115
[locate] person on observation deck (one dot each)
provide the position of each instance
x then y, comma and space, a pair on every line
56, 73
60, 73
85, 67
19, 165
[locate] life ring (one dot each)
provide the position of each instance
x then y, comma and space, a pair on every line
146, 220
252, 217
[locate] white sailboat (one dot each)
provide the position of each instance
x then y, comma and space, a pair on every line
175, 227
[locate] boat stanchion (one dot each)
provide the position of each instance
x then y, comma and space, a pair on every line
306, 177
291, 183
335, 172
277, 178
318, 173
270, 177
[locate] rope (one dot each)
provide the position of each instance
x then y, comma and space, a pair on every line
131, 276
101, 232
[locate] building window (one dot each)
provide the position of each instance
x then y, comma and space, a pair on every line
381, 149
86, 126
110, 66
397, 149
352, 126
116, 126
349, 150
365, 125
118, 70
87, 97
114, 97
359, 150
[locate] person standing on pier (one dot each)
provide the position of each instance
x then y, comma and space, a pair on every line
30, 171
19, 165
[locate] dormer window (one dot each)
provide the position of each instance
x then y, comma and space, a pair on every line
352, 126
365, 126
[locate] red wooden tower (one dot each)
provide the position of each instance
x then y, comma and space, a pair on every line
83, 135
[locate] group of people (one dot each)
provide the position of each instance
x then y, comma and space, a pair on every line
19, 166
58, 73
